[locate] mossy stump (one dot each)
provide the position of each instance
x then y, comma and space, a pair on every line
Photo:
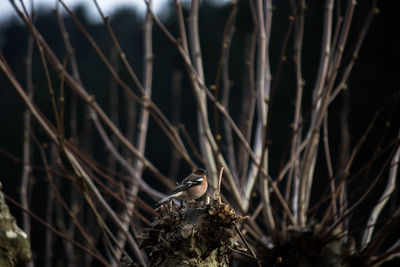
192, 236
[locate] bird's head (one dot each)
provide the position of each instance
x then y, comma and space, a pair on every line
200, 172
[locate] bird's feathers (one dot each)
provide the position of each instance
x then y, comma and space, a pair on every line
165, 199
185, 185
196, 178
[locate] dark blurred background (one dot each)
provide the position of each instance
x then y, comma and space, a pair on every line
373, 84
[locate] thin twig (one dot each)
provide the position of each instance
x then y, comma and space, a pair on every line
364, 29
27, 150
208, 144
249, 96
329, 161
293, 177
247, 245
176, 104
221, 171
223, 69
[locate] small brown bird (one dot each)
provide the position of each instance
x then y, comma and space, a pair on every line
192, 187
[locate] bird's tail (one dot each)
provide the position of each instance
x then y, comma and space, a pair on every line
168, 198
165, 199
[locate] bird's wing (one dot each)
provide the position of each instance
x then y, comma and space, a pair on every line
187, 183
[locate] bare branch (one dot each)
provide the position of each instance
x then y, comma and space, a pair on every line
390, 186
309, 159
27, 150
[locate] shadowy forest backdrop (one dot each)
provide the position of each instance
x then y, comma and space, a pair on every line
367, 109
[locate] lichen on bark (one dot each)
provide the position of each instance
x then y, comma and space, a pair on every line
15, 249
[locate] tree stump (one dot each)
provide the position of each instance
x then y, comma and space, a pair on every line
196, 236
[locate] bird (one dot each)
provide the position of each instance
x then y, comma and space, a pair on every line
192, 187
